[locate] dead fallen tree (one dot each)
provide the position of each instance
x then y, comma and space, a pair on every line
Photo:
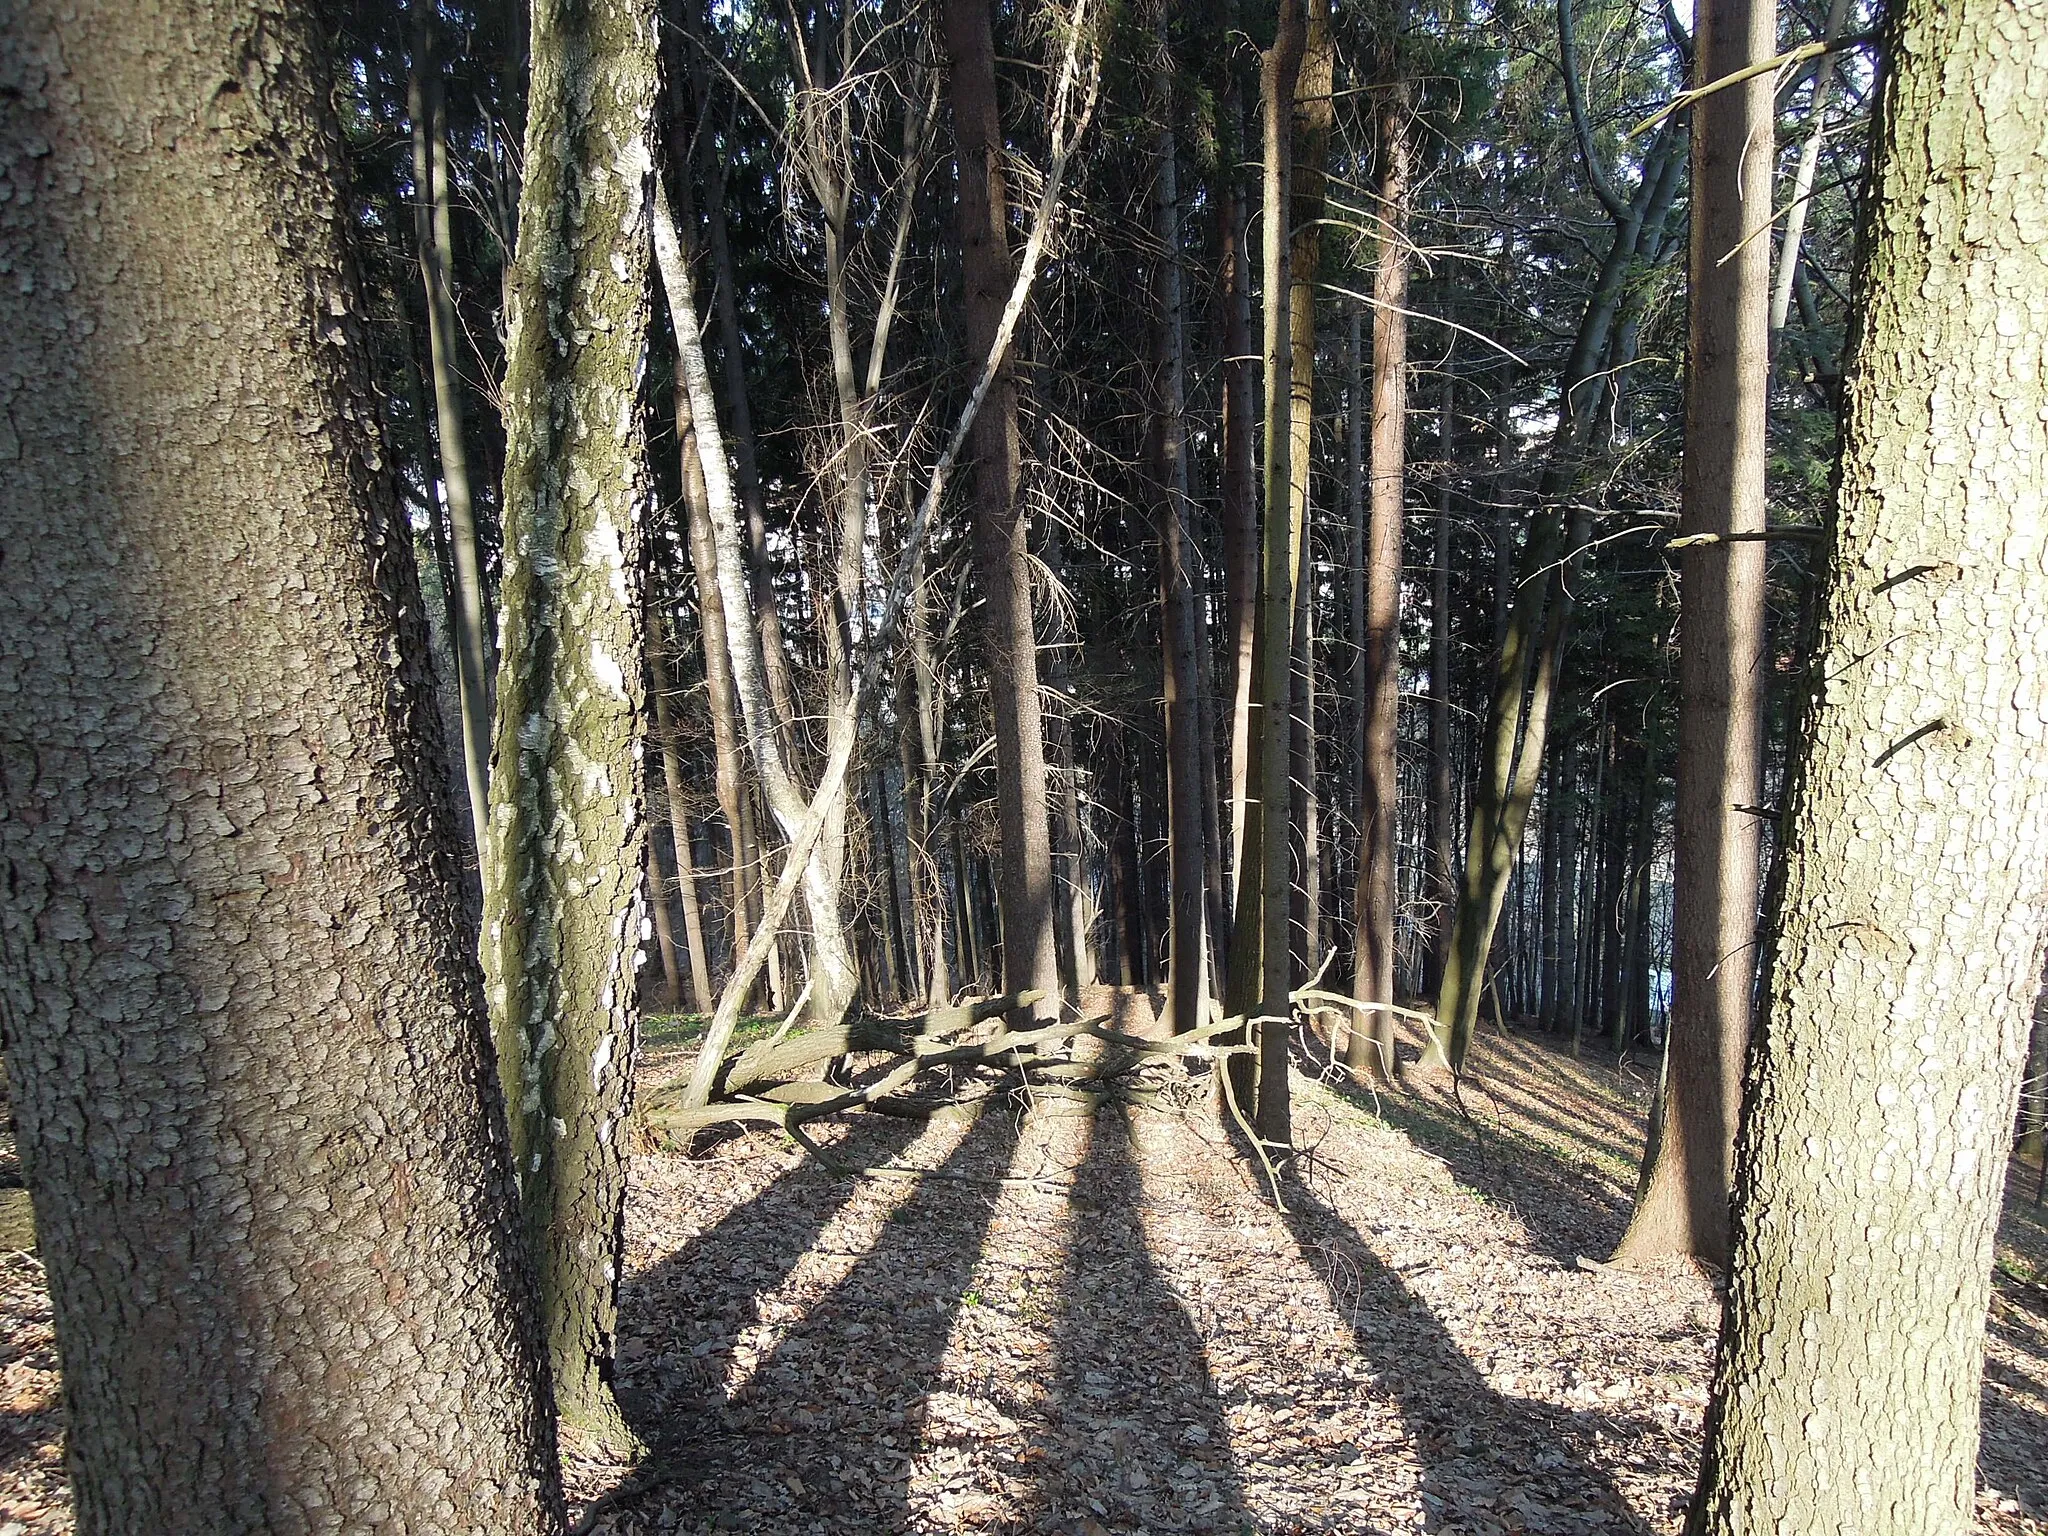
947, 1061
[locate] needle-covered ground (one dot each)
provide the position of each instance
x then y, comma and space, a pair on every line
1105, 1325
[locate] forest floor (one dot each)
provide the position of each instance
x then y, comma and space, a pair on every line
1093, 1326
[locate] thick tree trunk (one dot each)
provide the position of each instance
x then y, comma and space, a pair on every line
1002, 560
562, 910
1721, 657
245, 1032
1370, 1050
1185, 787
434, 240
1906, 932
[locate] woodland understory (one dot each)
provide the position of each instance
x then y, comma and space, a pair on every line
1133, 1339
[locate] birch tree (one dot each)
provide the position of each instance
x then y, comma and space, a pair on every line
564, 905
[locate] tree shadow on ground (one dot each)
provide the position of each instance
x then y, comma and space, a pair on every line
675, 1374
1488, 1461
1566, 1214
1136, 1435
819, 1436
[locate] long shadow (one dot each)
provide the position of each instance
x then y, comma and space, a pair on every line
685, 1316
1564, 1214
1137, 1435
821, 1435
2010, 1456
1484, 1456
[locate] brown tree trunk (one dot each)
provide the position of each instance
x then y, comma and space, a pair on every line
1185, 786
1905, 935
1001, 558
249, 1063
1370, 1050
1721, 665
1260, 973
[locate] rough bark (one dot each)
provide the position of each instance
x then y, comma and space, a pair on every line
1721, 657
562, 906
1907, 921
1370, 1049
245, 1030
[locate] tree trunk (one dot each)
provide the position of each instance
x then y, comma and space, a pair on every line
562, 909
1002, 561
249, 1062
1260, 973
1370, 1050
1240, 511
1721, 659
1185, 788
1443, 787
1525, 671
2033, 1119
1802, 179
433, 238
678, 817
1906, 934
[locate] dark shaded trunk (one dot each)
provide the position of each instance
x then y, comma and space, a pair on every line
245, 1031
1001, 558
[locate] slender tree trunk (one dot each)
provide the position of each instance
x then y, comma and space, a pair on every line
1721, 661
1001, 558
721, 696
1185, 786
1240, 511
1443, 788
1260, 973
678, 817
2033, 1120
434, 240
249, 1063
664, 928
740, 438
1370, 1050
1562, 994
562, 896
1802, 179
1525, 671
1905, 935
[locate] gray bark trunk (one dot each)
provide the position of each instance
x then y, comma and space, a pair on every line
562, 899
1906, 927
245, 1031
